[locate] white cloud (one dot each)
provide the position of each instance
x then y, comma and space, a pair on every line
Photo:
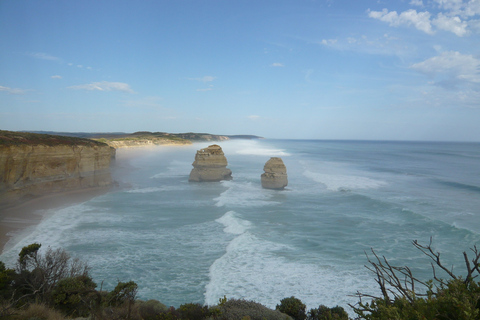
456, 16
452, 24
451, 67
277, 64
253, 117
104, 86
12, 90
328, 42
56, 77
420, 20
203, 79
417, 3
43, 56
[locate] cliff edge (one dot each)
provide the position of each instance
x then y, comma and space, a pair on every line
33, 165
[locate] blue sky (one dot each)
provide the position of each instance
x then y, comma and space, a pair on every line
325, 69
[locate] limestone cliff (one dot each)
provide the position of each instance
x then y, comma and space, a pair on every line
147, 142
210, 165
275, 176
34, 165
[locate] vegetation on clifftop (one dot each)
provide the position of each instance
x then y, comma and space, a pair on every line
11, 138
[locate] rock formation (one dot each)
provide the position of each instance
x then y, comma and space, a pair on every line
210, 165
31, 165
275, 176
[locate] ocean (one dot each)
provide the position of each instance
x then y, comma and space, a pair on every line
187, 242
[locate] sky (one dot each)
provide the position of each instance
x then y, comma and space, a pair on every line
299, 69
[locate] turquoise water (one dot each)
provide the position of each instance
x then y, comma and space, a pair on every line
196, 242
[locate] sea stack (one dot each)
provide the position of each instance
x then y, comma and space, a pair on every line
275, 176
210, 165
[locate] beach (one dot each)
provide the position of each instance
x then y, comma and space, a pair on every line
20, 217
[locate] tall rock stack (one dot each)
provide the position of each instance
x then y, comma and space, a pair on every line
275, 176
210, 165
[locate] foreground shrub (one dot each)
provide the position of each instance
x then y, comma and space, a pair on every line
38, 312
293, 307
76, 296
193, 311
149, 310
326, 313
234, 309
406, 297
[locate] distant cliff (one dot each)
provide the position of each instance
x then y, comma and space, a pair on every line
37, 164
146, 138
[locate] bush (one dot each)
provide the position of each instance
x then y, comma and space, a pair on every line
326, 313
456, 298
193, 311
76, 296
38, 312
149, 310
293, 307
234, 309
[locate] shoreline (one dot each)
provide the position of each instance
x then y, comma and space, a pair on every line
25, 214
18, 218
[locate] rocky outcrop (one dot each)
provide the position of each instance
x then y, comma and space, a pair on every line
30, 168
210, 165
275, 176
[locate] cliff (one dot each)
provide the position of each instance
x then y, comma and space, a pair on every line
210, 165
35, 164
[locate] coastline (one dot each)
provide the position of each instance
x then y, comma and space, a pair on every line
29, 213
25, 214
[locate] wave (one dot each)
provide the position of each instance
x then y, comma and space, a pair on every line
340, 182
156, 189
255, 268
233, 224
244, 194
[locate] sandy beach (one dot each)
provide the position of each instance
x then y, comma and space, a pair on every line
29, 213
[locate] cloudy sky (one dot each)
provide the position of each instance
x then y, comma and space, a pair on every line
311, 69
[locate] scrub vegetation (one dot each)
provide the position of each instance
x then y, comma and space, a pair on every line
53, 285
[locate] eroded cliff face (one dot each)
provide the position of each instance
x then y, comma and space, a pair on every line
275, 176
28, 170
210, 165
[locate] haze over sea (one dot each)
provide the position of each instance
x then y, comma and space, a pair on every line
196, 242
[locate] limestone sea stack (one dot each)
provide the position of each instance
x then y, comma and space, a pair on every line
210, 165
275, 176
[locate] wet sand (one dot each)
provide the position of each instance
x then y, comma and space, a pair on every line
29, 213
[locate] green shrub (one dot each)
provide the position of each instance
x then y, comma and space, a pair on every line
238, 309
403, 298
193, 311
326, 313
149, 310
76, 296
293, 307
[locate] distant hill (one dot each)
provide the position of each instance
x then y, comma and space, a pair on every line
118, 135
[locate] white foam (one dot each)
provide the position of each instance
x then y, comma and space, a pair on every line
255, 269
156, 189
233, 224
252, 147
339, 182
244, 194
